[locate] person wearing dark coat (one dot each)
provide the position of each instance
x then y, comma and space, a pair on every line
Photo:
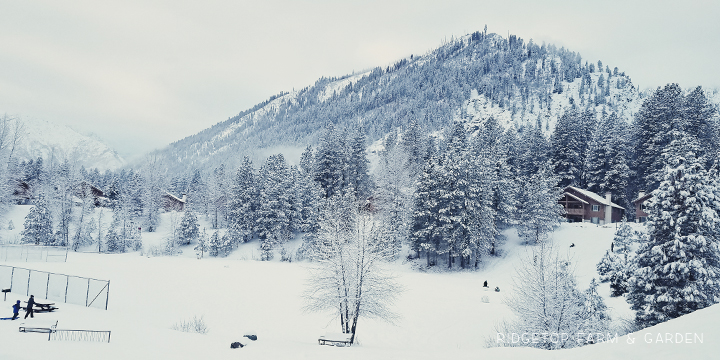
30, 305
16, 310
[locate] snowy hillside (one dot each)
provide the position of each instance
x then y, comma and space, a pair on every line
238, 295
45, 139
624, 100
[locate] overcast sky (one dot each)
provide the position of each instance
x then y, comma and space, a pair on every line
141, 74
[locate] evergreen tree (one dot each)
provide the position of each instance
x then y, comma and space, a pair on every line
425, 220
617, 267
189, 229
567, 149
595, 317
308, 194
393, 195
657, 117
330, 163
113, 243
274, 213
454, 216
214, 247
38, 225
539, 213
243, 203
678, 267
357, 176
202, 246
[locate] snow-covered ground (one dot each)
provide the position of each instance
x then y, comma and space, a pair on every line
442, 313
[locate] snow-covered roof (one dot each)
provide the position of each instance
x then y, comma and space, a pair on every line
576, 198
643, 198
596, 197
174, 197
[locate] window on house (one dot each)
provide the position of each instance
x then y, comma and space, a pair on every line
595, 220
596, 207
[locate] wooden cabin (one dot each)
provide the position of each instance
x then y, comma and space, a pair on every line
171, 202
586, 206
84, 189
640, 213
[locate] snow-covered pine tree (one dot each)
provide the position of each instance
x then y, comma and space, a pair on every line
330, 162
357, 176
496, 147
539, 212
38, 225
226, 245
243, 203
189, 229
423, 234
274, 212
453, 197
393, 195
567, 148
308, 194
113, 242
606, 266
11, 226
678, 267
701, 123
481, 204
531, 151
202, 246
197, 196
214, 247
217, 197
657, 116
596, 319
622, 265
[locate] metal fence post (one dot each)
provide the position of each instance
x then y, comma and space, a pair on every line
47, 287
67, 277
107, 298
27, 292
12, 276
87, 295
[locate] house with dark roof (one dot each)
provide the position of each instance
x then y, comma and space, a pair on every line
586, 206
639, 203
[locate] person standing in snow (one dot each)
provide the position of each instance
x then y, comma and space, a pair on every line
16, 310
29, 308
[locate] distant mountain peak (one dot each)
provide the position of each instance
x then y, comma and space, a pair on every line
46, 139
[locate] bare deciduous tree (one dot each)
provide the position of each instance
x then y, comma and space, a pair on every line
349, 280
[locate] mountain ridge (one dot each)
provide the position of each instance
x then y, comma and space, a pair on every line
525, 83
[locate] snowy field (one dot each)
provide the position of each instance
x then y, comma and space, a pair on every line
442, 314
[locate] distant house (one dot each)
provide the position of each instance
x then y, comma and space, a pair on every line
21, 192
640, 214
586, 206
171, 202
84, 189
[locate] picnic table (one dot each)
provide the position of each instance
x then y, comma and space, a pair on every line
39, 307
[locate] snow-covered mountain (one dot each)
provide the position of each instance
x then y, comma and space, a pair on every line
49, 140
469, 79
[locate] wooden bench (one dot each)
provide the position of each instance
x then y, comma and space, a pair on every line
335, 339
